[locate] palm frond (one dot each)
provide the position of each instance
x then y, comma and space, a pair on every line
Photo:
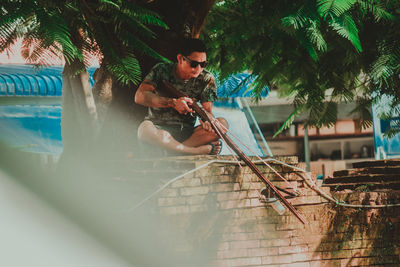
363, 110
376, 9
289, 120
126, 70
346, 27
333, 8
315, 35
298, 20
144, 15
109, 3
35, 52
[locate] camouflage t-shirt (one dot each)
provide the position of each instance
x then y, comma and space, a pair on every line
202, 88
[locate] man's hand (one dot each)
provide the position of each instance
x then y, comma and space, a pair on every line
182, 105
206, 126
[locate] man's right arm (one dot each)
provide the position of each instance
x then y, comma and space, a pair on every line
145, 96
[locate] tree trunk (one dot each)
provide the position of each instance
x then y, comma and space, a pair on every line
119, 116
79, 121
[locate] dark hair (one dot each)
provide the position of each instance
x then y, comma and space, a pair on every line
191, 45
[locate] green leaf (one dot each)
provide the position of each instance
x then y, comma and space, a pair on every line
333, 8
126, 70
112, 3
289, 120
346, 27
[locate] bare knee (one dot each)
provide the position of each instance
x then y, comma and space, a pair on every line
144, 129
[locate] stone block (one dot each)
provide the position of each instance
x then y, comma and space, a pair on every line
253, 193
231, 170
255, 202
275, 242
326, 263
262, 251
305, 200
198, 208
306, 239
169, 192
293, 249
244, 244
186, 182
233, 253
195, 199
173, 210
190, 191
245, 261
171, 201
278, 259
234, 195
229, 204
251, 186
222, 187
223, 246
338, 254
240, 236
296, 264
301, 257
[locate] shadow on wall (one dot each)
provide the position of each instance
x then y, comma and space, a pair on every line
362, 236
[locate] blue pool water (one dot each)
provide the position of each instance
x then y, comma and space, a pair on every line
32, 128
37, 127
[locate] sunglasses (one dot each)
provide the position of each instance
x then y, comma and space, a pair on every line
193, 63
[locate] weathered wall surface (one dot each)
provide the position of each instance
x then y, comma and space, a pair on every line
216, 218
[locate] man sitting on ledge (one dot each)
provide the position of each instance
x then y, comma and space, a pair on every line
170, 122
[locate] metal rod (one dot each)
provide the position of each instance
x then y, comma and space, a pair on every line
306, 149
250, 112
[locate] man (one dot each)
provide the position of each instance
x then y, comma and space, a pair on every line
170, 122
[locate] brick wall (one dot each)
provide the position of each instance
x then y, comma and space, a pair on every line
216, 218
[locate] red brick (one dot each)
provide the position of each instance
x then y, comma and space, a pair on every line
174, 210
279, 259
275, 242
230, 204
245, 261
338, 254
252, 186
255, 202
233, 253
306, 239
326, 263
293, 249
200, 190
169, 192
217, 169
301, 257
296, 264
223, 246
195, 199
262, 251
244, 244
186, 182
198, 208
171, 201
289, 226
249, 214
253, 193
221, 187
235, 229
231, 195
239, 236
